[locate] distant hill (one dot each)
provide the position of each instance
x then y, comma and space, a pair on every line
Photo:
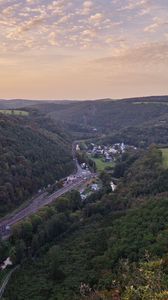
16, 103
106, 112
116, 120
106, 116
20, 103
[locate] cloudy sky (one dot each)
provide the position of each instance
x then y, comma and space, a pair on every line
83, 49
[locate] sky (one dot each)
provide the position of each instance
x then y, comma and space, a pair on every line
83, 49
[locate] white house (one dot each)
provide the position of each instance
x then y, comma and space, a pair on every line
113, 186
95, 187
6, 263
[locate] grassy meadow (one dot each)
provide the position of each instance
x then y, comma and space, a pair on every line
14, 112
165, 157
101, 165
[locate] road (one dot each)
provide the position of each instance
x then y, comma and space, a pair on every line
4, 284
41, 200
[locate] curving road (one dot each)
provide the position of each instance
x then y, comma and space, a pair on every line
4, 284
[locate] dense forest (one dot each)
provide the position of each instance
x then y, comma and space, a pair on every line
112, 245
109, 116
33, 154
136, 121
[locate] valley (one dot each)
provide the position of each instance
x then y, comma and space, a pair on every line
96, 182
84, 150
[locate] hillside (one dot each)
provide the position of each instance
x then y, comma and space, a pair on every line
113, 243
21, 103
108, 120
33, 154
16, 103
119, 120
107, 115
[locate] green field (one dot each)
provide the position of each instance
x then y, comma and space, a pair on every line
14, 112
102, 165
165, 157
150, 102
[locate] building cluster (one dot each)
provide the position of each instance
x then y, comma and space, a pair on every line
86, 192
109, 153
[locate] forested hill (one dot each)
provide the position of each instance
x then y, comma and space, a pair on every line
104, 115
21, 103
33, 154
16, 103
108, 115
121, 120
112, 246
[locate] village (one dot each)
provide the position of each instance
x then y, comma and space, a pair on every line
108, 153
104, 157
